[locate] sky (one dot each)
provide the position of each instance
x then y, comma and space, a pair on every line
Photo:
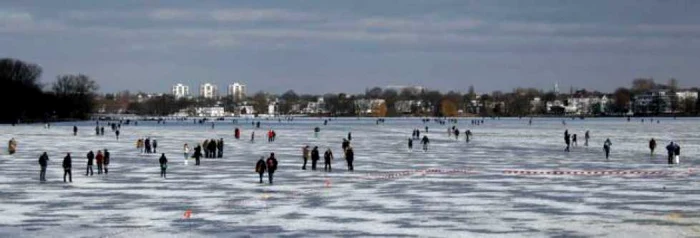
321, 46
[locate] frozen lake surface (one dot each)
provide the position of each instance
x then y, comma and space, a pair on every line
505, 183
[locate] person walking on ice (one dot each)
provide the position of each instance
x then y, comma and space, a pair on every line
105, 163
315, 157
425, 141
327, 158
90, 157
305, 156
567, 140
410, 144
186, 152
100, 161
67, 165
652, 146
606, 147
43, 162
197, 154
271, 166
12, 146
260, 168
163, 165
350, 158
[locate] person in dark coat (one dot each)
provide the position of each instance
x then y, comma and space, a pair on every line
67, 165
350, 157
456, 131
567, 140
97, 130
75, 130
410, 144
425, 141
163, 165
327, 158
271, 166
197, 154
106, 161
237, 133
606, 147
220, 146
468, 134
345, 144
147, 145
90, 157
671, 151
43, 162
652, 146
349, 136
315, 156
155, 146
574, 141
117, 134
212, 148
260, 168
102, 130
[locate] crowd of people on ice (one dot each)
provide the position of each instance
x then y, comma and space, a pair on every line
213, 148
674, 149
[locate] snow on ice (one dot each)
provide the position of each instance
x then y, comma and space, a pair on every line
456, 189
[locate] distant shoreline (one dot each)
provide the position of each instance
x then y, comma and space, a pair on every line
282, 117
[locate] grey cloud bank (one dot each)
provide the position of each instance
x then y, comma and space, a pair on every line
334, 46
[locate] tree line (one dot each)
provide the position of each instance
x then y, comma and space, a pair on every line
425, 102
70, 97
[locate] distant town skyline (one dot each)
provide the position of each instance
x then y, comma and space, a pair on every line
318, 46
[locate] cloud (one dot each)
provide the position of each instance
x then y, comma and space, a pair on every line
174, 28
8, 17
545, 28
666, 28
171, 14
99, 15
250, 14
422, 24
24, 22
230, 15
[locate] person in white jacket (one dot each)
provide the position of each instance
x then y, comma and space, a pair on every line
186, 150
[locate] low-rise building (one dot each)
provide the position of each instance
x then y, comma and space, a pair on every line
654, 101
317, 107
367, 106
210, 111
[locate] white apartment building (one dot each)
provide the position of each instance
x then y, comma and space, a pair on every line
208, 90
683, 95
237, 91
180, 90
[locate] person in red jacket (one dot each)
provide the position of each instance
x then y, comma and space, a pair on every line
100, 161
